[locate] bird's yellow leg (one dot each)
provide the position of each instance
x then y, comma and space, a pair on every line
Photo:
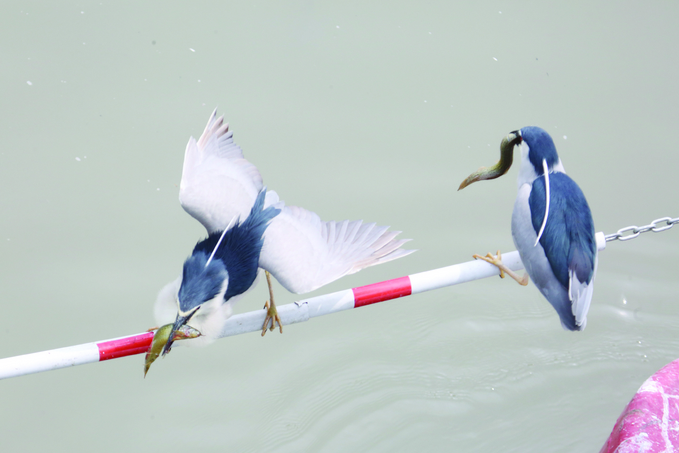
497, 261
271, 312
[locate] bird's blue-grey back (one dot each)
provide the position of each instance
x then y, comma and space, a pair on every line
245, 243
568, 239
241, 246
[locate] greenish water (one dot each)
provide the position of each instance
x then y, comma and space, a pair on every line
363, 111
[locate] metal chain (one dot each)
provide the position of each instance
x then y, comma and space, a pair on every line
635, 231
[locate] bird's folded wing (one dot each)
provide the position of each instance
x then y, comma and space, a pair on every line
305, 253
217, 182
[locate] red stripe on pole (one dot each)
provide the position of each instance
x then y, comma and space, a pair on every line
122, 347
378, 292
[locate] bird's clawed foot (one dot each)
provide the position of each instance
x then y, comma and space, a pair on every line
497, 261
271, 318
271, 312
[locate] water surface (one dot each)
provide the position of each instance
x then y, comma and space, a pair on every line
373, 112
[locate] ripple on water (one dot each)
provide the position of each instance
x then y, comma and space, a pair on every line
423, 379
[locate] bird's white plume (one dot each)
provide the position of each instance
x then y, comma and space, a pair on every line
233, 220
544, 221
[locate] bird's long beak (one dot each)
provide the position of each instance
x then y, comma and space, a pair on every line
179, 322
499, 169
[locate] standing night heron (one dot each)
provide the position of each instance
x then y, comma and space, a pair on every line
250, 228
552, 226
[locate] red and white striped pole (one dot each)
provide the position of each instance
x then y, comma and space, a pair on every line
75, 355
252, 321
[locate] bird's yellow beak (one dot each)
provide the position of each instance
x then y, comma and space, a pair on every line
499, 169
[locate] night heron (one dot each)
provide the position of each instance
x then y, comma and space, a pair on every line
249, 228
552, 225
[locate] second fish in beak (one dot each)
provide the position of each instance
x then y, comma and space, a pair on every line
161, 338
506, 157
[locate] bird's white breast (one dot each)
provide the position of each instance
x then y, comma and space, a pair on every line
523, 233
526, 173
165, 308
533, 255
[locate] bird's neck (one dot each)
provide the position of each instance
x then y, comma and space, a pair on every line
527, 173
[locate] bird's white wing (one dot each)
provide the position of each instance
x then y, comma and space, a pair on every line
217, 182
305, 253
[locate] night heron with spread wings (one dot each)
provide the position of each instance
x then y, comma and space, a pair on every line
249, 228
552, 226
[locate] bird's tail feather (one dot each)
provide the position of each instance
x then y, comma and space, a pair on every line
260, 215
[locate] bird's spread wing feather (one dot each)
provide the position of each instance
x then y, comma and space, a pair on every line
217, 182
568, 239
305, 253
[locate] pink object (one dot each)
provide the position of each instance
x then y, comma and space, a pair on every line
650, 422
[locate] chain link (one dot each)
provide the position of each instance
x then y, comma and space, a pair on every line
630, 232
